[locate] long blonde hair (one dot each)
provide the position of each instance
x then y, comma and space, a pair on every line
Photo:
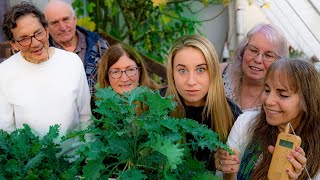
216, 105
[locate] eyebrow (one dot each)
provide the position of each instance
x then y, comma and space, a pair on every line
57, 20
26, 36
120, 68
203, 64
283, 89
269, 51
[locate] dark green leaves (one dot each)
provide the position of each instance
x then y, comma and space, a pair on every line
24, 155
135, 138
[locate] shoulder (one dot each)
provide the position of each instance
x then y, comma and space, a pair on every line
245, 120
66, 57
93, 36
163, 91
11, 61
236, 110
239, 134
223, 67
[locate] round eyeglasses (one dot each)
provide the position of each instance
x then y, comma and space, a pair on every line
26, 41
266, 56
116, 74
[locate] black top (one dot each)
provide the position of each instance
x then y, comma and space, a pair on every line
195, 113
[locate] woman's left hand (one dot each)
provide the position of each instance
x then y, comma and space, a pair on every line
298, 159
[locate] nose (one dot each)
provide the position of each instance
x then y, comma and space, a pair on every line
191, 81
269, 99
124, 76
62, 26
34, 42
259, 58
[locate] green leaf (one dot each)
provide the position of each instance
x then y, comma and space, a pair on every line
172, 151
34, 161
93, 168
132, 174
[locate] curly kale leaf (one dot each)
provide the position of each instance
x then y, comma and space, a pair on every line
134, 137
25, 155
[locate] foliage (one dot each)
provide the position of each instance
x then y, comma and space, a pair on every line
25, 156
296, 53
132, 137
151, 26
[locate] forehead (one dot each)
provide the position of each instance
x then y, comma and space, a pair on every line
189, 56
57, 11
279, 80
123, 62
259, 40
26, 25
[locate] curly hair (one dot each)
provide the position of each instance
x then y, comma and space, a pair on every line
15, 13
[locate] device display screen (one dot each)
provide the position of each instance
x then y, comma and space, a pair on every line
285, 143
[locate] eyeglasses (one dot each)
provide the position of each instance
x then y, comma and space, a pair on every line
116, 74
28, 40
266, 56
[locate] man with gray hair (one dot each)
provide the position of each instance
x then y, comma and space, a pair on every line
65, 34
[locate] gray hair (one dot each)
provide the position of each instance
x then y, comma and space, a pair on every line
274, 36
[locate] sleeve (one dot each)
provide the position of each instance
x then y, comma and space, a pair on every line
83, 99
7, 122
239, 136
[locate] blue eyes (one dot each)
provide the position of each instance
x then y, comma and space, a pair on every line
199, 70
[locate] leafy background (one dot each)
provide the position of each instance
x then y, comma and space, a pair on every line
151, 26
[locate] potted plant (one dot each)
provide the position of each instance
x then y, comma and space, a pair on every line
133, 137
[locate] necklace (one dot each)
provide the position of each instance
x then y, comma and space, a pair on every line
254, 105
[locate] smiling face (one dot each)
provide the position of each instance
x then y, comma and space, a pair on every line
280, 103
125, 83
27, 26
191, 76
255, 67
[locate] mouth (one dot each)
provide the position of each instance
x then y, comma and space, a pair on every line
272, 112
255, 68
125, 85
191, 92
38, 51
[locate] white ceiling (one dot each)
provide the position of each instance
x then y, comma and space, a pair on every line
300, 21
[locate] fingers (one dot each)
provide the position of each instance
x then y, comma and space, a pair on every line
225, 162
298, 160
271, 149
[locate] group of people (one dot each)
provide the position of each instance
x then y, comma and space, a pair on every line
248, 102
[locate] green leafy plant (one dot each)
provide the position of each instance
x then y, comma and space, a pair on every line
24, 155
133, 137
151, 26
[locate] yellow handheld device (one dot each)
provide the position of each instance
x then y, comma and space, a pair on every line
279, 163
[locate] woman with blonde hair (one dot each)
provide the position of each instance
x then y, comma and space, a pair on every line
195, 83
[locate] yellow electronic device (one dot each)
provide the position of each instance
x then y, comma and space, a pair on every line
279, 163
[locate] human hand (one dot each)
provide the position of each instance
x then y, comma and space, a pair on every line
298, 160
225, 162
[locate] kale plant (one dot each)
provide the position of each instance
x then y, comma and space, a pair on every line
24, 155
133, 137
